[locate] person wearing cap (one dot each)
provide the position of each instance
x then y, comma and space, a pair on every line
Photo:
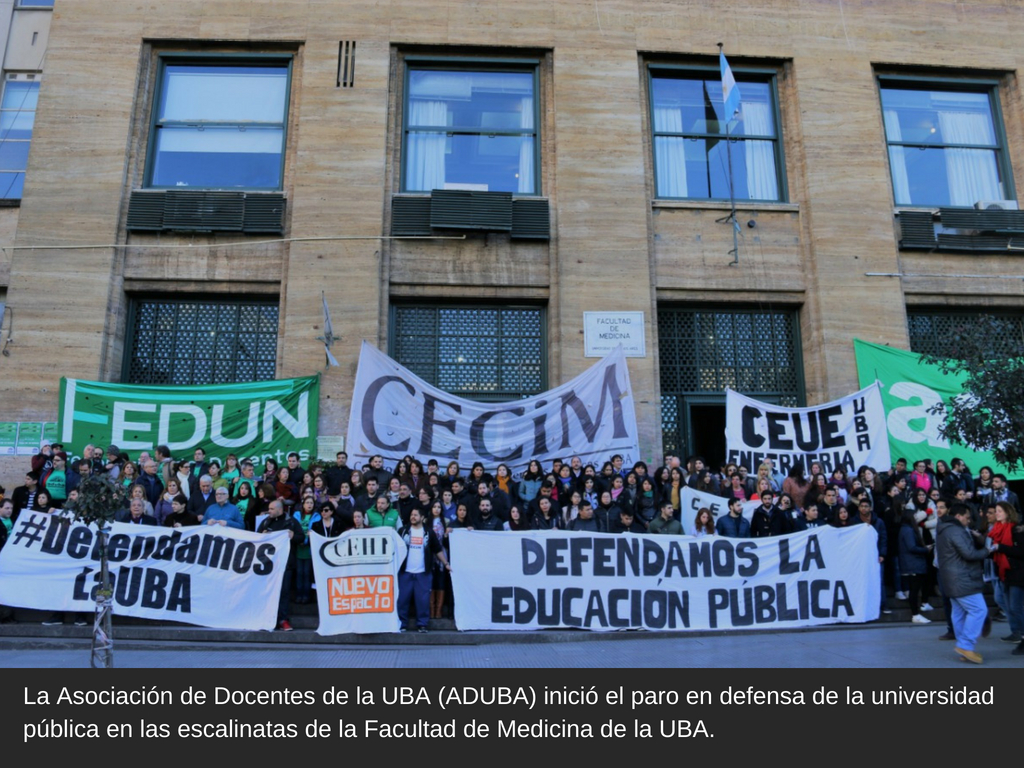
223, 512
114, 462
42, 462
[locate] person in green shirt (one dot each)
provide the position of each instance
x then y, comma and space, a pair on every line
231, 470
56, 480
383, 515
665, 523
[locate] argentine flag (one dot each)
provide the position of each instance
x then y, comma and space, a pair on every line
730, 91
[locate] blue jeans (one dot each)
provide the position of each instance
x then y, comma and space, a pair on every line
999, 595
414, 586
968, 620
1015, 608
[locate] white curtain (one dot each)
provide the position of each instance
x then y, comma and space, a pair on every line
972, 173
897, 159
762, 181
669, 152
526, 179
424, 165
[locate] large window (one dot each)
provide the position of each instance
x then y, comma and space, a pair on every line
219, 123
929, 330
17, 119
946, 144
471, 126
201, 341
697, 155
483, 353
702, 352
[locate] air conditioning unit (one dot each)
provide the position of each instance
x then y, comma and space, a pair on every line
996, 205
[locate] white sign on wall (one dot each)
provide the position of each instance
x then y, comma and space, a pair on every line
604, 331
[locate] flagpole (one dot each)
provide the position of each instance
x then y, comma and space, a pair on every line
731, 218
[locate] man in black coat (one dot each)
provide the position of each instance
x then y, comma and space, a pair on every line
768, 519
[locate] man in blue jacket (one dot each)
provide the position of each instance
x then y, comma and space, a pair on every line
734, 524
223, 512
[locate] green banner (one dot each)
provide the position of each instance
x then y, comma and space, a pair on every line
909, 389
254, 420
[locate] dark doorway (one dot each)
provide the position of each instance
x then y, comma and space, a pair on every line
707, 432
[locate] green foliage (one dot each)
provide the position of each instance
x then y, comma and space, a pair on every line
99, 499
989, 415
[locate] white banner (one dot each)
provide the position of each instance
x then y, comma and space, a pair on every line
207, 575
604, 582
692, 501
357, 580
394, 412
847, 433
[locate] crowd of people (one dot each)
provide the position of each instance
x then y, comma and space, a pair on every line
908, 506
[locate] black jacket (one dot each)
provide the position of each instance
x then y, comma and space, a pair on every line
285, 523
960, 559
434, 547
773, 522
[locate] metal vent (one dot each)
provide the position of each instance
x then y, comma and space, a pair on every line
347, 64
461, 209
146, 211
264, 213
205, 211
971, 242
917, 230
1010, 222
531, 219
410, 216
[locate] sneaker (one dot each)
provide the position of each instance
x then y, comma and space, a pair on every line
1000, 616
902, 596
422, 630
947, 636
926, 607
887, 610
52, 623
972, 656
81, 623
1018, 651
1011, 638
402, 629
919, 619
284, 626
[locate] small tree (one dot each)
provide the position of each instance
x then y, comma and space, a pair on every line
99, 499
989, 415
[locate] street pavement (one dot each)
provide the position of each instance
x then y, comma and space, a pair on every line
861, 646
